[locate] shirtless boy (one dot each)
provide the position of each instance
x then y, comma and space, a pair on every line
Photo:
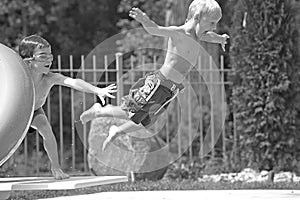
36, 52
151, 95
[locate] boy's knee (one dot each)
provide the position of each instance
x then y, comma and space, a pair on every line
45, 129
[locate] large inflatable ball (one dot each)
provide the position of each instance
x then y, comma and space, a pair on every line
16, 101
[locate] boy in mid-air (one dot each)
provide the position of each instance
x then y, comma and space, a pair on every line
36, 52
151, 95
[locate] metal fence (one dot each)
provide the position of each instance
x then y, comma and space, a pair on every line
60, 109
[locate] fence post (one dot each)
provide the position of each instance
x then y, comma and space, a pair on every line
72, 119
223, 108
119, 74
212, 109
201, 151
95, 74
61, 140
37, 141
84, 108
190, 119
235, 137
26, 153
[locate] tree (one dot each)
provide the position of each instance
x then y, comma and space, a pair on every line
136, 41
67, 25
266, 83
19, 18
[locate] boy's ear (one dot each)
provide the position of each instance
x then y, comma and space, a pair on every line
197, 17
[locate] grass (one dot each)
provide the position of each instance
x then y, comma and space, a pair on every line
151, 186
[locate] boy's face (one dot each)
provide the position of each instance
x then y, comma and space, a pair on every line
206, 24
42, 60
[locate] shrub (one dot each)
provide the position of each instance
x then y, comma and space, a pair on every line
266, 83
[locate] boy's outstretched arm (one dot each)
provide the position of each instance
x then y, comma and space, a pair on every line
150, 26
83, 86
215, 38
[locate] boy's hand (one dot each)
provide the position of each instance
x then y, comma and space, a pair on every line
223, 41
138, 15
105, 92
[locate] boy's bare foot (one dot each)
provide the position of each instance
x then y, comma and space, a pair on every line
58, 173
90, 114
112, 135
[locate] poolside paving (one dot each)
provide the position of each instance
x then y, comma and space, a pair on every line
190, 195
49, 183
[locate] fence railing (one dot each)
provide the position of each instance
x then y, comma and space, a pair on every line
62, 111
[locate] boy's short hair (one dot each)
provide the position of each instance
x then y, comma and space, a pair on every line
205, 8
31, 43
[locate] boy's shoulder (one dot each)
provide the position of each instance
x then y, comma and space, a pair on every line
53, 77
183, 34
50, 75
178, 29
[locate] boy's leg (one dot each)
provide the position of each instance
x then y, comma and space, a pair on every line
134, 123
41, 123
108, 111
98, 111
116, 131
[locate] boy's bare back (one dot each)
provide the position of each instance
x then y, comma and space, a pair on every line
183, 41
182, 54
42, 85
36, 52
150, 96
42, 88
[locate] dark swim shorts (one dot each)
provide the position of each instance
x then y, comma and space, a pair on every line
149, 97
